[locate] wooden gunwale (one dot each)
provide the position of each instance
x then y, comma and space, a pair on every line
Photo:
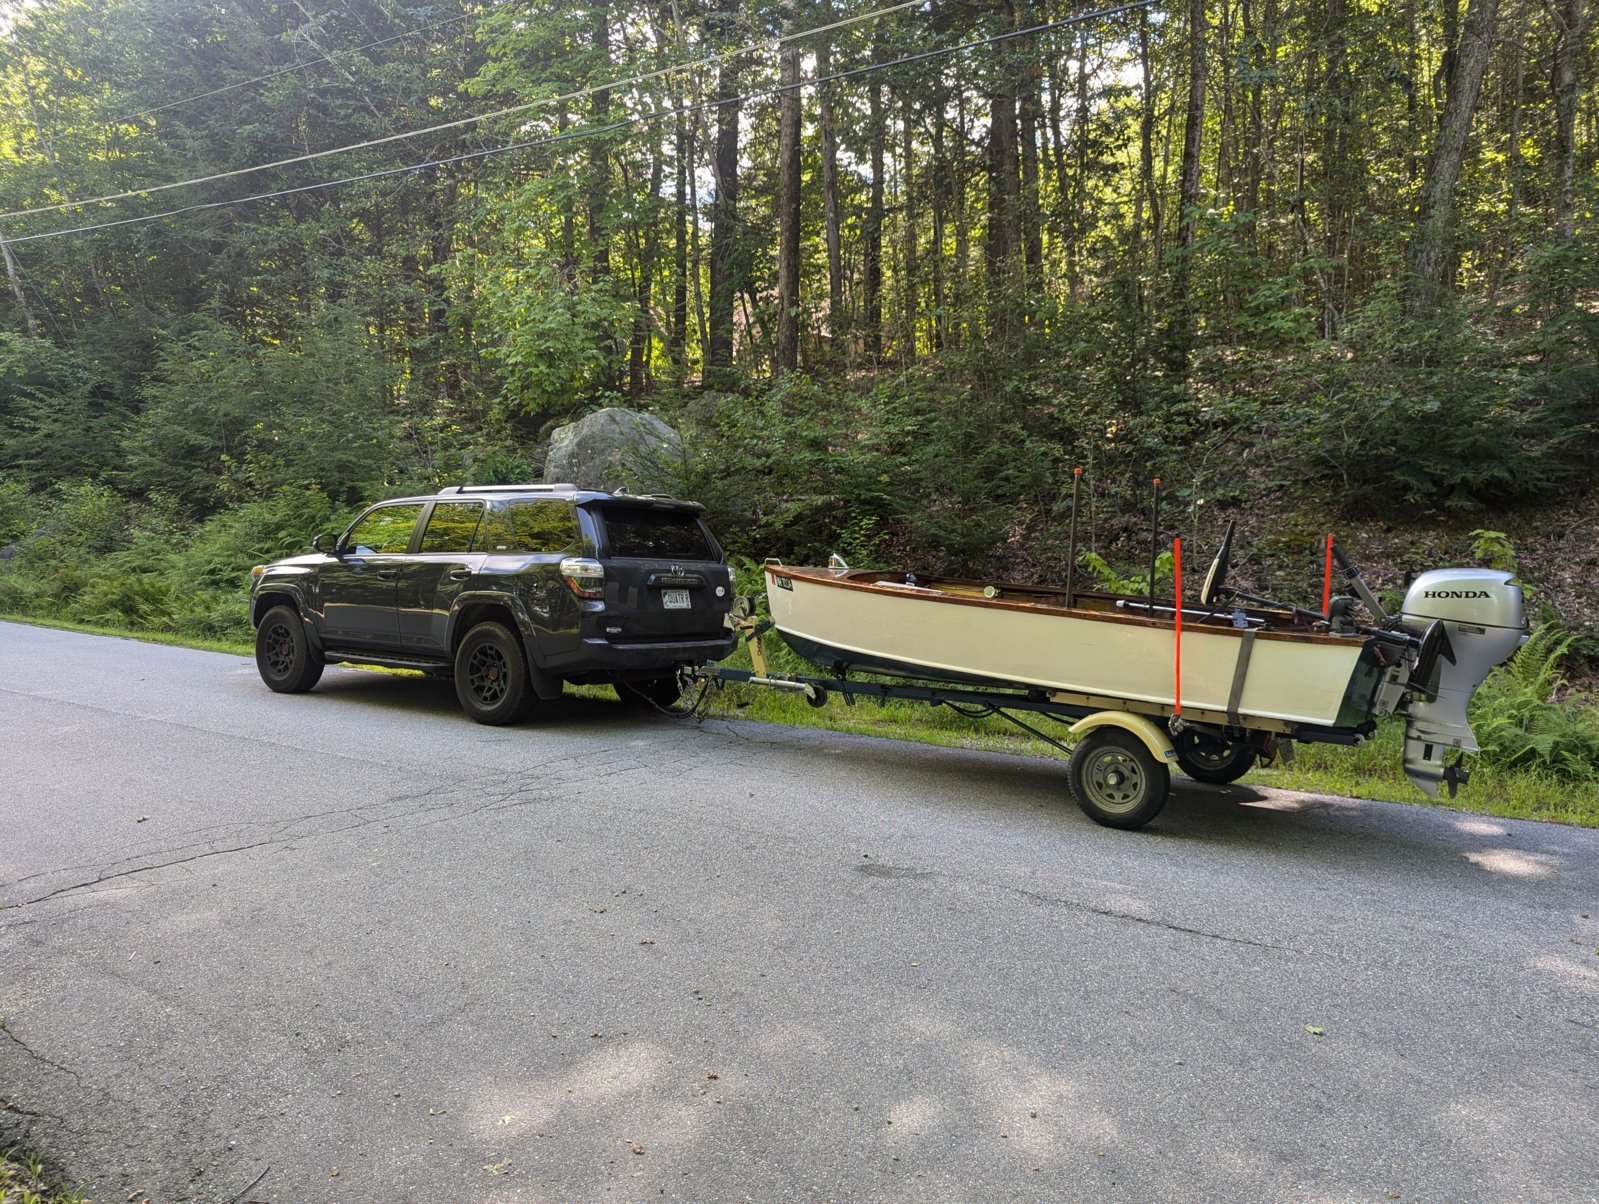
828, 577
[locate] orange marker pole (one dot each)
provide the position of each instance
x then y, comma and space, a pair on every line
1326, 580
1177, 670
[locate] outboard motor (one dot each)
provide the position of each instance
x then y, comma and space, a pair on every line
1468, 620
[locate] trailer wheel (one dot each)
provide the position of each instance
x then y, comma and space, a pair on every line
1116, 780
1215, 759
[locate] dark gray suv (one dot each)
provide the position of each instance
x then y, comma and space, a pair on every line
512, 589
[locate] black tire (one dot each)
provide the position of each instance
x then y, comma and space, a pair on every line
1116, 780
1215, 759
283, 656
491, 677
663, 692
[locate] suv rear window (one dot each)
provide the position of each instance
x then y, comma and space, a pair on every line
643, 533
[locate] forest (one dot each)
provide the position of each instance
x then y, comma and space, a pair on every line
893, 271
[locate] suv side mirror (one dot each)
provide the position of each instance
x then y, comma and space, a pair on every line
324, 543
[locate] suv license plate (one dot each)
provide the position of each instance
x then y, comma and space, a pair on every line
675, 599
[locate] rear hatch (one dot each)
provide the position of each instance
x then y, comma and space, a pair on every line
665, 578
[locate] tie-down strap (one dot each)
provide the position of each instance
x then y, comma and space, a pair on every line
1246, 646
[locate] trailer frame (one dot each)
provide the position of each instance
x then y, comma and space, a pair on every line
1119, 768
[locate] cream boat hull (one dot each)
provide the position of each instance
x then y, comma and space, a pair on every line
835, 620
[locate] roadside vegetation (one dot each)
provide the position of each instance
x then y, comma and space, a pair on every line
25, 1178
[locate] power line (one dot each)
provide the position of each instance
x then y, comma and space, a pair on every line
579, 94
593, 131
327, 58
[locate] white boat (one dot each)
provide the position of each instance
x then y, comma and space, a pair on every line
907, 625
1228, 685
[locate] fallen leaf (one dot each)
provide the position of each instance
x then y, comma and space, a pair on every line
508, 1118
1314, 1031
637, 1148
497, 1168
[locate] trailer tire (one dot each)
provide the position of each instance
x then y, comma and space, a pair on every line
1213, 759
1116, 780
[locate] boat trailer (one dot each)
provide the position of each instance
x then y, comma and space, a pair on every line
1119, 768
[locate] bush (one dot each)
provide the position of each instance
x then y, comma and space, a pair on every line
87, 556
1445, 418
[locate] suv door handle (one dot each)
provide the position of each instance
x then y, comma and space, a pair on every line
460, 574
388, 574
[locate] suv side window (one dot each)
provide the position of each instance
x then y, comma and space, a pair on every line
451, 527
541, 526
384, 531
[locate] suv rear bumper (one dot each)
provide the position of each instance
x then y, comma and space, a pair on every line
600, 660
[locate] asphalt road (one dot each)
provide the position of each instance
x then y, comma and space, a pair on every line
351, 946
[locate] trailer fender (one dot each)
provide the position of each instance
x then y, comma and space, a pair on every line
1158, 742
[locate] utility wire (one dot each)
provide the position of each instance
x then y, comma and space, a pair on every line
316, 62
594, 131
631, 81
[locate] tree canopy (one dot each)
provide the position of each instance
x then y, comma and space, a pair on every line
898, 267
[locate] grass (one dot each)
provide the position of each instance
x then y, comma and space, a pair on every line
1372, 771
236, 648
24, 1179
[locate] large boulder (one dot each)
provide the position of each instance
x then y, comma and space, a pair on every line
616, 450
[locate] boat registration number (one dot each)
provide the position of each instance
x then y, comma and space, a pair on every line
675, 599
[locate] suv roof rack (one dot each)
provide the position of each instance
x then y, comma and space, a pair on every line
552, 487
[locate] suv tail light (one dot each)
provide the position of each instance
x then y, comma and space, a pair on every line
585, 578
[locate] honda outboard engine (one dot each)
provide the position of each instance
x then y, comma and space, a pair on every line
1468, 620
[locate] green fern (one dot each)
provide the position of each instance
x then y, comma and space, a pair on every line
1526, 717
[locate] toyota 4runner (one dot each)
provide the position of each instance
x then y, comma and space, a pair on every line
511, 589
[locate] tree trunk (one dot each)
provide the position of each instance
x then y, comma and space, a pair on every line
1149, 187
1031, 227
1571, 21
1337, 164
638, 353
724, 211
1430, 255
16, 287
1181, 330
599, 187
942, 187
872, 267
788, 216
599, 169
1516, 161
677, 338
830, 222
911, 283
1004, 197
